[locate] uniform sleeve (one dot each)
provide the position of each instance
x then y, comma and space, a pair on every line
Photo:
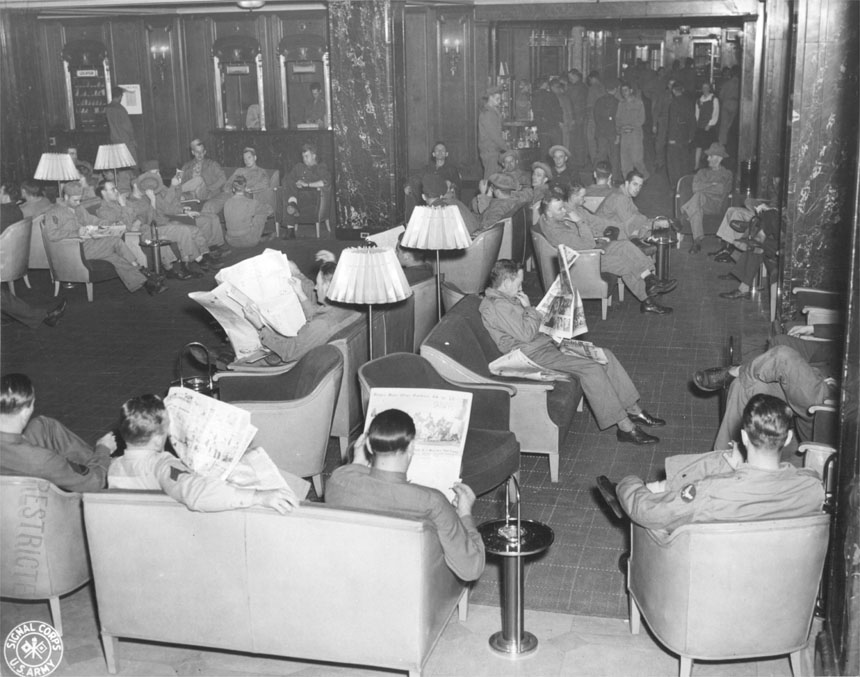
315, 333
215, 179
715, 115
461, 542
665, 510
197, 492
508, 324
73, 476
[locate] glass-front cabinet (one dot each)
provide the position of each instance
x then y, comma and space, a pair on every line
238, 70
304, 69
88, 84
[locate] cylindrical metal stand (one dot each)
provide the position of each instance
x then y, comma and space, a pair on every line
661, 263
513, 638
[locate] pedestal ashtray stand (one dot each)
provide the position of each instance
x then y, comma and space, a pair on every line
514, 540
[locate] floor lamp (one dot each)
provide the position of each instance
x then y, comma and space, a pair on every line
114, 156
57, 167
368, 275
436, 228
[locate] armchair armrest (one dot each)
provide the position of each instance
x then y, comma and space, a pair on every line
491, 404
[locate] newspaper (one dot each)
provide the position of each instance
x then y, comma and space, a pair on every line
561, 307
257, 470
208, 435
441, 422
584, 349
261, 282
517, 364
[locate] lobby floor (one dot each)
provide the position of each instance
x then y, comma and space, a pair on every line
122, 345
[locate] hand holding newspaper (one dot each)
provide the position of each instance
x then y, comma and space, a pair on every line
561, 307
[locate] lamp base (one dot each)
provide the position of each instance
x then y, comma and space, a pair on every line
508, 647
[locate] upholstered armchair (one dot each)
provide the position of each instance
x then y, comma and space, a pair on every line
292, 410
469, 269
492, 453
710, 222
727, 591
43, 553
67, 263
15, 253
585, 273
515, 235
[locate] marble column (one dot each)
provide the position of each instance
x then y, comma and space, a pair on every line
366, 106
822, 161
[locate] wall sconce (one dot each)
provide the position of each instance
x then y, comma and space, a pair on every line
159, 54
452, 55
684, 30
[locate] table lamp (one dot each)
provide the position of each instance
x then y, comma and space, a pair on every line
114, 156
436, 228
371, 276
57, 167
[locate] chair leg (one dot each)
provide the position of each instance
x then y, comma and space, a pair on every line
27, 281
553, 467
11, 285
620, 290
317, 224
581, 406
328, 225
56, 618
796, 663
318, 485
56, 288
685, 666
89, 291
344, 448
109, 644
635, 616
463, 606
604, 304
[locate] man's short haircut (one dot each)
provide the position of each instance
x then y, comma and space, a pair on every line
327, 269
197, 142
72, 188
632, 174
391, 431
100, 189
249, 149
239, 184
549, 198
573, 189
767, 420
16, 393
603, 169
31, 188
316, 86
309, 147
116, 92
677, 86
142, 418
503, 269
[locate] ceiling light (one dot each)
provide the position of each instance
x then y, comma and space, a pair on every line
251, 4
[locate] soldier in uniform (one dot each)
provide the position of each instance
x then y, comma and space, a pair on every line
722, 486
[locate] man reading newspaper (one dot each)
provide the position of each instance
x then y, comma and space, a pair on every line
512, 322
211, 477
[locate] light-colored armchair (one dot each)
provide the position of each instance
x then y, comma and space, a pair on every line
43, 553
67, 263
15, 253
726, 591
293, 410
585, 273
469, 269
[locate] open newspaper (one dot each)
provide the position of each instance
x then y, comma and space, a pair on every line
212, 438
516, 364
561, 307
563, 314
441, 422
261, 282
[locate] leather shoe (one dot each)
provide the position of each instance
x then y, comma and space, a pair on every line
644, 418
607, 491
724, 257
653, 286
713, 379
177, 272
696, 247
53, 317
195, 269
736, 294
726, 276
636, 436
154, 287
721, 250
649, 305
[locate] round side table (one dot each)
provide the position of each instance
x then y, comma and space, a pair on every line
504, 538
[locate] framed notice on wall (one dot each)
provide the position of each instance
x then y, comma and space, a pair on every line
131, 99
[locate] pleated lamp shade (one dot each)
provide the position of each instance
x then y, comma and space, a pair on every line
368, 275
114, 156
436, 228
56, 167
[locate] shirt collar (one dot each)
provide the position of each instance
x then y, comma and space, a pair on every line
388, 475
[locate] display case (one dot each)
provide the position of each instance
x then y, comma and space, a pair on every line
304, 68
88, 84
238, 69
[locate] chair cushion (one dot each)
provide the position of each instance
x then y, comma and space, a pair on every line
489, 458
100, 270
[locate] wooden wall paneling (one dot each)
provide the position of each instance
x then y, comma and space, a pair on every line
422, 103
772, 120
129, 56
751, 78
482, 58
457, 120
198, 85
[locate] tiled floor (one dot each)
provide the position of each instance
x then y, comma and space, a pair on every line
122, 345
